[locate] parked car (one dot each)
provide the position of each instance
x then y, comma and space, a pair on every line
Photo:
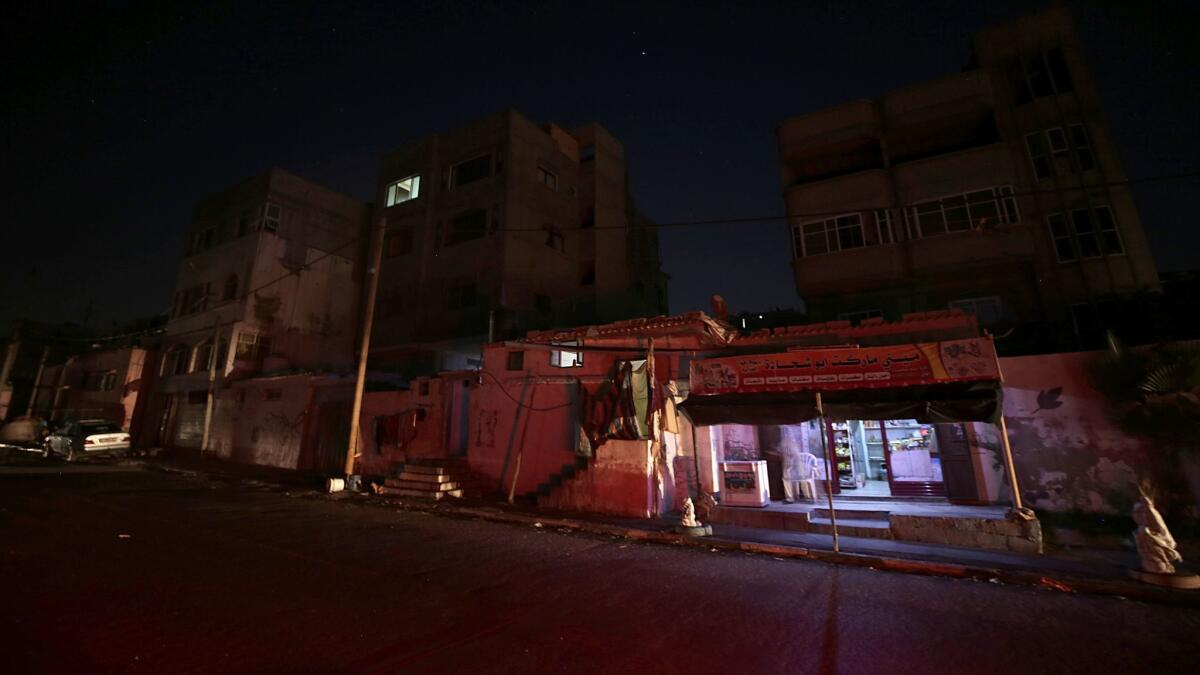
81, 438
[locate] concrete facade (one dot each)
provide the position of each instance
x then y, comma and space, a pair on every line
270, 283
112, 384
996, 190
521, 225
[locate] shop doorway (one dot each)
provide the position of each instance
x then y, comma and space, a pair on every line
887, 458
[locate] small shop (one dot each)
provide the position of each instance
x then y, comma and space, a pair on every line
863, 422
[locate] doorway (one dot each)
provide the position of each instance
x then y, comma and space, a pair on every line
888, 458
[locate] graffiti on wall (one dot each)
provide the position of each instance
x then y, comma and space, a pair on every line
486, 438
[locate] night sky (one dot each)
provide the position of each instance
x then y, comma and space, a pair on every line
118, 119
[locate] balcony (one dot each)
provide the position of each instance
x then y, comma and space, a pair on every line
949, 114
831, 142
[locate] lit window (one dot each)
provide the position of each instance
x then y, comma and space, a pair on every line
470, 171
403, 190
566, 359
988, 311
547, 178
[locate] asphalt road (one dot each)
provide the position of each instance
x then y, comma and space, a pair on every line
120, 570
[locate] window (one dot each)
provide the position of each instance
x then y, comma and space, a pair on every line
462, 296
109, 381
175, 362
828, 236
270, 219
587, 276
860, 315
251, 346
423, 388
202, 357
466, 226
566, 359
197, 397
403, 190
470, 171
885, 224
399, 242
547, 178
203, 239
273, 394
554, 238
1045, 74
230, 289
1064, 248
516, 361
246, 222
1096, 234
977, 210
1052, 154
192, 300
988, 311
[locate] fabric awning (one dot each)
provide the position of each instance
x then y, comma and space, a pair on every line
935, 403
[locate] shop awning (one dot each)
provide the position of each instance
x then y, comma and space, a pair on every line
934, 403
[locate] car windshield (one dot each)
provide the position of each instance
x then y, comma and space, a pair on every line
99, 428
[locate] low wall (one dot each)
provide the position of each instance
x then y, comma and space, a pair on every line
619, 481
1023, 536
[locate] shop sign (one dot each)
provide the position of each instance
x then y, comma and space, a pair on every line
833, 368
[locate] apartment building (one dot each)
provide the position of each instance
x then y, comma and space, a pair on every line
503, 226
996, 190
270, 283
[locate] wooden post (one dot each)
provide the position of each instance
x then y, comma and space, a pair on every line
1009, 465
828, 472
365, 346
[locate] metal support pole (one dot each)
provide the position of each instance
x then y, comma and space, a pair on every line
37, 381
1009, 465
828, 472
368, 320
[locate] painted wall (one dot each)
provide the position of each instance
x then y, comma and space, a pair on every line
1069, 455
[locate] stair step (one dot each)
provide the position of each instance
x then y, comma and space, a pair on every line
868, 529
432, 469
428, 486
422, 494
853, 514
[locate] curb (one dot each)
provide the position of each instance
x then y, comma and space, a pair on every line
1044, 580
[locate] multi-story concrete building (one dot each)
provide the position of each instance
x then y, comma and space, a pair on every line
502, 226
270, 283
996, 190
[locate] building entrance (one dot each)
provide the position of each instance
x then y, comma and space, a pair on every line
898, 458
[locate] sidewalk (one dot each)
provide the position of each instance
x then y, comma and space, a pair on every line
1083, 570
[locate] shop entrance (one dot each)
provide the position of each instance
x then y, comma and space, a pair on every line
888, 458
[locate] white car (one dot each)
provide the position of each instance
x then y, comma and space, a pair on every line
86, 438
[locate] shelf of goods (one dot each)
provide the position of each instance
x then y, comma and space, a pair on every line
843, 455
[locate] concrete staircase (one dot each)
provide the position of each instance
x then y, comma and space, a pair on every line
567, 472
434, 479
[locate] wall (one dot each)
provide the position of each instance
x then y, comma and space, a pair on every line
1068, 453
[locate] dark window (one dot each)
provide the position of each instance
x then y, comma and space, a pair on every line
399, 242
246, 222
516, 361
1108, 231
1085, 231
229, 291
470, 171
197, 397
589, 218
1038, 77
1059, 71
588, 276
1083, 148
423, 388
466, 226
89, 428
462, 296
554, 238
547, 178
1064, 248
587, 153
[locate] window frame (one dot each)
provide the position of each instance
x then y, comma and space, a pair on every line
414, 190
453, 181
270, 223
547, 178
566, 358
452, 233
975, 303
833, 225
1002, 196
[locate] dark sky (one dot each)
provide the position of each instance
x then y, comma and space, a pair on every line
117, 119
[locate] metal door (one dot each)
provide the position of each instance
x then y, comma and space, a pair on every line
958, 472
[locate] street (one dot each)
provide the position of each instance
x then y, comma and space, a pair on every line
118, 569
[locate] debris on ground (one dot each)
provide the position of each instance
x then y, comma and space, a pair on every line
1055, 584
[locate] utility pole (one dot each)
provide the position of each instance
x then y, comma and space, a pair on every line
828, 452
372, 280
37, 381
